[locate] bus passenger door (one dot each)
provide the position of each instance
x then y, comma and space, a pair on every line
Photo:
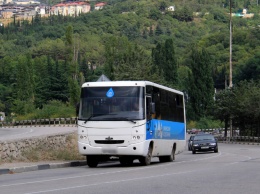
149, 117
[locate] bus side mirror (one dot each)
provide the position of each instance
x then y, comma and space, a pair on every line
152, 108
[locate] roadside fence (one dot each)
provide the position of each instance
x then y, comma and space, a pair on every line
239, 139
41, 122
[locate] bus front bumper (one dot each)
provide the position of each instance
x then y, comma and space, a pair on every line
138, 149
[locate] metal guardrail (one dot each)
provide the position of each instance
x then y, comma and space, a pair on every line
239, 139
41, 122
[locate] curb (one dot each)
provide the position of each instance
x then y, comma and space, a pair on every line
42, 167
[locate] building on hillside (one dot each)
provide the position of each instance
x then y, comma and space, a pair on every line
40, 10
99, 6
246, 14
26, 2
243, 14
6, 14
171, 8
26, 14
70, 8
2, 2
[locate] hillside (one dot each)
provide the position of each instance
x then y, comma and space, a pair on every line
49, 58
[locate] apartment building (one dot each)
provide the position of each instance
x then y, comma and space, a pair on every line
70, 8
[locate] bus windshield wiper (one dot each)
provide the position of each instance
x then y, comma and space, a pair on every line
124, 119
91, 116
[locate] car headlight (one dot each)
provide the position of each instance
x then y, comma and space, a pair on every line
196, 144
212, 144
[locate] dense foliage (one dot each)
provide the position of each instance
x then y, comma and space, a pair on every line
48, 59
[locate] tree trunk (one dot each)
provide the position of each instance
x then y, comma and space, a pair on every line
226, 126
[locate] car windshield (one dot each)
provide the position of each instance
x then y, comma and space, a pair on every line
112, 104
203, 137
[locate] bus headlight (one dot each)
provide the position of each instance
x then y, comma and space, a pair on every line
82, 137
136, 137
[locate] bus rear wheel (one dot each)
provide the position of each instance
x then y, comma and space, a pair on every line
169, 158
92, 161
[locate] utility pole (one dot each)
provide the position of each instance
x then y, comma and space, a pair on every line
230, 46
230, 58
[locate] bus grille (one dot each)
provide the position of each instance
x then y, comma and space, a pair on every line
109, 141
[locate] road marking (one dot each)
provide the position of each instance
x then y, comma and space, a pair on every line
105, 173
111, 182
248, 158
139, 178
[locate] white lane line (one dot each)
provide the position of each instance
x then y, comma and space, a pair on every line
128, 180
111, 182
248, 158
106, 173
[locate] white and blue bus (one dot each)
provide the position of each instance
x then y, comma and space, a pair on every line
130, 120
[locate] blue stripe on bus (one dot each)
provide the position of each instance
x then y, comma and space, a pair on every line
160, 129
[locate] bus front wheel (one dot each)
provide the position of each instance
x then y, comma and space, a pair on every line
92, 161
146, 160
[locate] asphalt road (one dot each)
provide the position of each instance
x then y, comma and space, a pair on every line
235, 169
14, 133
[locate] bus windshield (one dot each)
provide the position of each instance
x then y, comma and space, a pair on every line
112, 103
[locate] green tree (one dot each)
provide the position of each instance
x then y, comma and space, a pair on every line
251, 69
185, 14
164, 59
135, 65
7, 70
42, 68
155, 14
73, 42
247, 109
201, 90
158, 30
25, 81
170, 63
158, 58
224, 106
162, 6
7, 97
74, 91
115, 51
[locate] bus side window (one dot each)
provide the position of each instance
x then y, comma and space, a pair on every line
148, 108
152, 108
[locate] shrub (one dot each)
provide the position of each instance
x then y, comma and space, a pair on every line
53, 109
